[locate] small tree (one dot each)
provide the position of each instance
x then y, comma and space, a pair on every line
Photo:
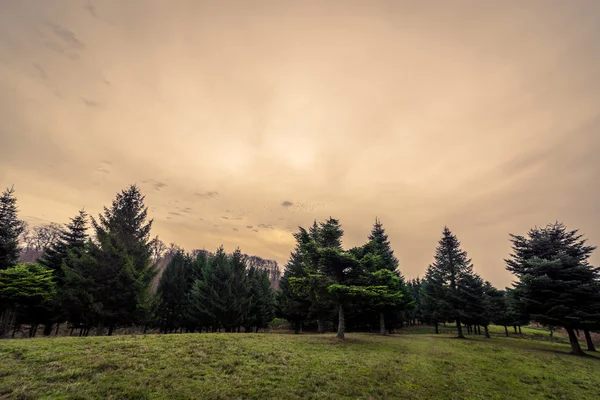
25, 291
10, 229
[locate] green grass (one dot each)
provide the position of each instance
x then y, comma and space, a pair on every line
285, 366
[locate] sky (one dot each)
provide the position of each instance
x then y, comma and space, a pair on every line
242, 120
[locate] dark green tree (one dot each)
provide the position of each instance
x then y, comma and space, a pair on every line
452, 268
219, 298
72, 237
434, 296
10, 230
25, 291
261, 308
122, 252
556, 284
292, 301
173, 288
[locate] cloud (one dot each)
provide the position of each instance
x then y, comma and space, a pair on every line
159, 185
90, 103
41, 71
287, 204
207, 194
67, 36
235, 229
249, 226
174, 213
224, 217
91, 9
265, 226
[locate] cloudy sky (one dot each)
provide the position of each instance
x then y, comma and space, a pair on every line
243, 119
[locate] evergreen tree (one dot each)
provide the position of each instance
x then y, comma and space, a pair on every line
214, 297
292, 302
72, 237
261, 308
389, 294
80, 307
434, 296
556, 284
452, 269
25, 290
473, 313
496, 307
10, 230
122, 252
173, 288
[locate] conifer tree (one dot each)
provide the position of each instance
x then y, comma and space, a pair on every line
25, 290
72, 237
292, 301
434, 295
261, 300
173, 288
556, 284
10, 230
213, 296
122, 252
452, 268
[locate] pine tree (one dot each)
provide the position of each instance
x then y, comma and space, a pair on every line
473, 313
72, 237
122, 251
213, 299
434, 295
10, 230
173, 288
496, 306
292, 301
261, 300
391, 294
452, 268
25, 291
556, 284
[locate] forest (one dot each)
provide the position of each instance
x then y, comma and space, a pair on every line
101, 273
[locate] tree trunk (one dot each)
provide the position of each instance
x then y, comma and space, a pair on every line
479, 329
459, 328
487, 332
47, 329
340, 331
110, 329
575, 349
520, 333
515, 328
588, 339
320, 325
437, 330
381, 324
56, 331
506, 330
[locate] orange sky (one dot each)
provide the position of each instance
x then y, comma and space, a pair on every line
476, 114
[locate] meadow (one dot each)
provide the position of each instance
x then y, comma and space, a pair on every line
413, 364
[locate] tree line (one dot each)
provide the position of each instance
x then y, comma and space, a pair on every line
104, 281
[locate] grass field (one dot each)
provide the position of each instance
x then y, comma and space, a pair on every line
285, 366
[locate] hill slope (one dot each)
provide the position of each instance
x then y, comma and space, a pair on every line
225, 366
